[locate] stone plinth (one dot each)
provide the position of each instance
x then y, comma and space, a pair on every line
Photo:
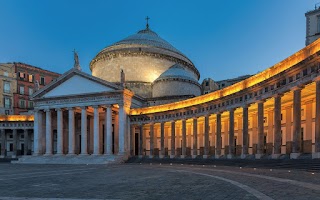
294, 155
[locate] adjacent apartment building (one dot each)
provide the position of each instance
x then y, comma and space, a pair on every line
8, 87
28, 78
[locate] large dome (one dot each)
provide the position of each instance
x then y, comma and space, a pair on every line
143, 57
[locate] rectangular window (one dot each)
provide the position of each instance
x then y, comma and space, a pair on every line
5, 73
22, 104
30, 91
21, 89
11, 147
6, 87
42, 81
305, 72
297, 76
21, 75
7, 102
30, 104
30, 78
207, 83
290, 79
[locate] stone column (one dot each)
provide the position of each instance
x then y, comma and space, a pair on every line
14, 135
132, 139
277, 127
84, 131
72, 140
141, 141
231, 134
3, 142
316, 154
218, 135
122, 125
245, 131
108, 130
296, 123
173, 139
206, 136
26, 141
184, 138
96, 138
195, 138
48, 133
151, 140
59, 131
36, 133
162, 152
260, 145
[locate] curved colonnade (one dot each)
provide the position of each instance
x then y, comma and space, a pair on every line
273, 113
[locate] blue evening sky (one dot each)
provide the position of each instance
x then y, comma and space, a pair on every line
223, 38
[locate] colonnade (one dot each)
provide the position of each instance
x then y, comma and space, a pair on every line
98, 132
266, 136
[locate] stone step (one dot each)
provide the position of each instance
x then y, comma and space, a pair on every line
71, 159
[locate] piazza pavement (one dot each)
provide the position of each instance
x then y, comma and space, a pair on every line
154, 181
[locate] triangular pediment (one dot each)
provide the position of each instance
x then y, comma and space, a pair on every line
75, 82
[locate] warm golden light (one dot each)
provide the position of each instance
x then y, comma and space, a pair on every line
253, 80
15, 118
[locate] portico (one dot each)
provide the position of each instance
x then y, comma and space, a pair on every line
80, 115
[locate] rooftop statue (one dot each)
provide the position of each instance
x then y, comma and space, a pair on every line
76, 60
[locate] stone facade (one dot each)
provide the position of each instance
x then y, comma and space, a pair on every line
8, 87
175, 87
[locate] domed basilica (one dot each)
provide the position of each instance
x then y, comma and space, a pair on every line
143, 99
153, 68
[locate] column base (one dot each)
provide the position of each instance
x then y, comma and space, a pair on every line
2, 156
140, 156
172, 156
294, 155
48, 154
70, 154
316, 155
258, 156
194, 156
230, 156
150, 156
275, 156
13, 156
182, 156
205, 156
161, 156
244, 156
217, 156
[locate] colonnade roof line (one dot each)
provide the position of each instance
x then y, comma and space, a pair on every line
253, 80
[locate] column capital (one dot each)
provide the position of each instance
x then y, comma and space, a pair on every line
70, 108
245, 106
277, 95
47, 110
84, 107
260, 101
297, 87
95, 107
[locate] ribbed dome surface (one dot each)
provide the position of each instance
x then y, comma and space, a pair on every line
147, 37
177, 71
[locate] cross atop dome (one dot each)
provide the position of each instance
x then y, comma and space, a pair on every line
147, 19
